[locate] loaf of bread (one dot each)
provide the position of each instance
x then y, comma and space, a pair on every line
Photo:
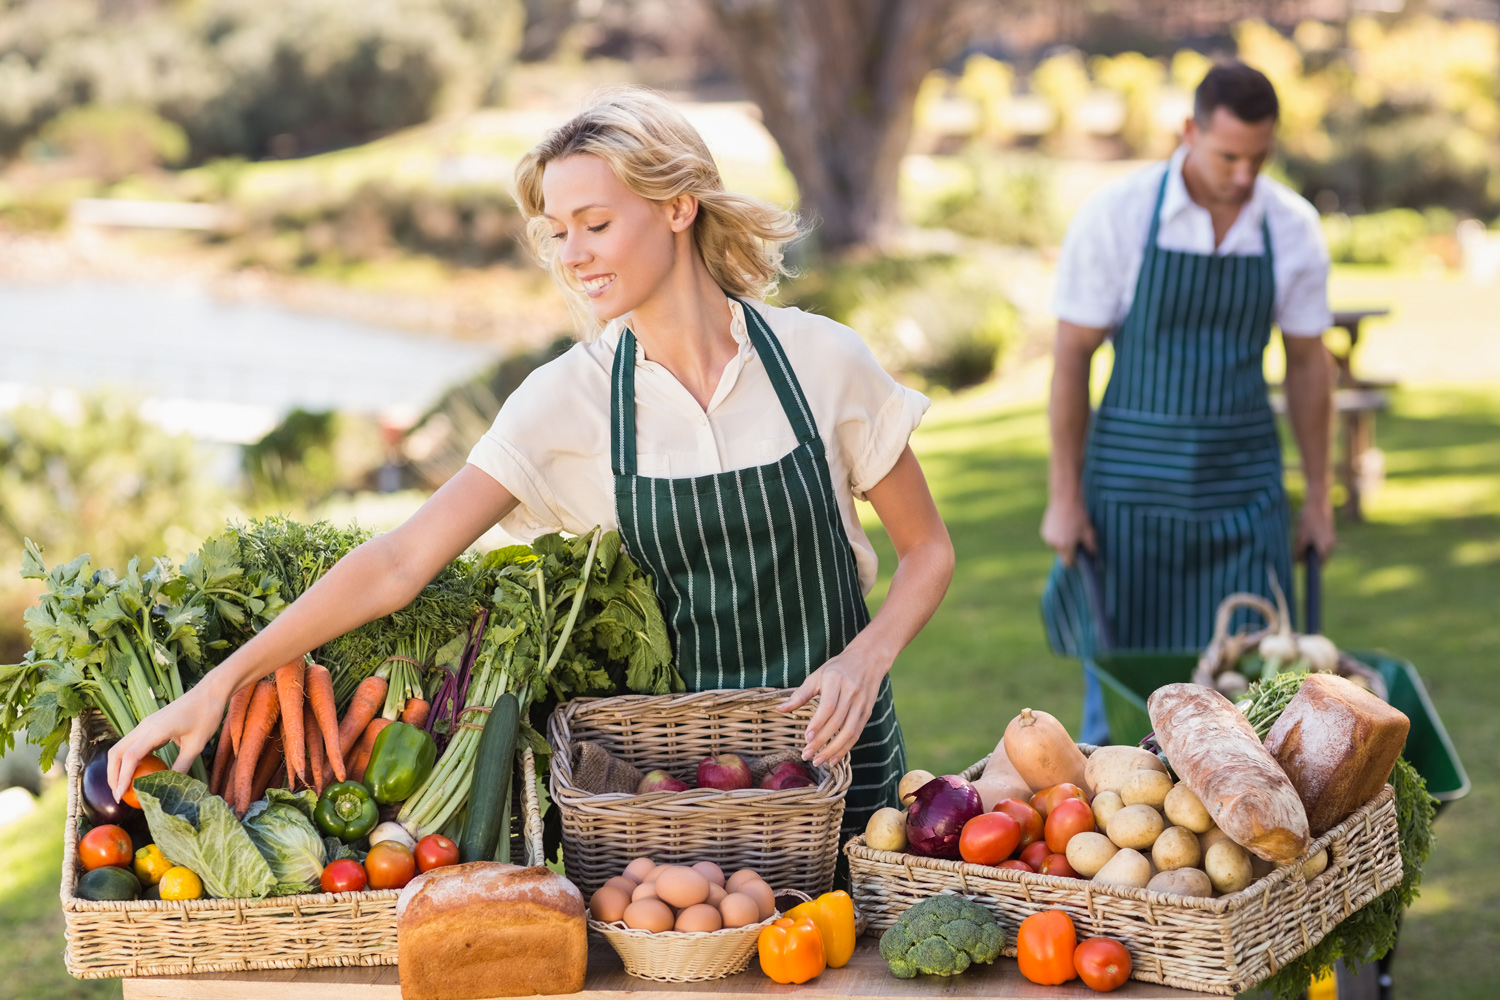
486, 929
1337, 743
1216, 752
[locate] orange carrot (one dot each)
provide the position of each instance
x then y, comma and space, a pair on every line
365, 747
260, 720
368, 699
266, 769
223, 755
289, 693
416, 711
320, 695
315, 764
238, 705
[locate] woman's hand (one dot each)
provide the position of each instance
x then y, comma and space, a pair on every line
847, 685
190, 721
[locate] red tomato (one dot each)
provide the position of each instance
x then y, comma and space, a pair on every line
1057, 793
435, 851
148, 764
1029, 818
344, 875
1018, 865
1044, 948
989, 838
390, 865
1102, 963
106, 846
1035, 854
1067, 819
1057, 864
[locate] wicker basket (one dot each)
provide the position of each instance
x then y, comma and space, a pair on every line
682, 956
790, 837
1225, 945
162, 938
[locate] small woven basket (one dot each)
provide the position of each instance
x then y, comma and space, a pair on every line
175, 937
683, 956
789, 837
1224, 945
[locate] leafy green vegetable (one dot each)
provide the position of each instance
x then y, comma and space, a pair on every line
282, 829
197, 829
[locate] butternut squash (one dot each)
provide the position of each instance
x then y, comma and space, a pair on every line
1043, 753
1000, 780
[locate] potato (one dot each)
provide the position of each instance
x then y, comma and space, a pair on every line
1106, 804
1177, 847
886, 830
1146, 788
1183, 809
1182, 882
1228, 867
1108, 767
1135, 827
1089, 852
1127, 867
1210, 837
1315, 865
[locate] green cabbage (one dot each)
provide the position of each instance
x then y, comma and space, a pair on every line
282, 829
196, 829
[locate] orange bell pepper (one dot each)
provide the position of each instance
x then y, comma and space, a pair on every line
833, 912
791, 951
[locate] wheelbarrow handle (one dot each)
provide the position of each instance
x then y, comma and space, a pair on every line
1312, 621
1104, 636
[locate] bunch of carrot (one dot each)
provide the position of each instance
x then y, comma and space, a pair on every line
285, 729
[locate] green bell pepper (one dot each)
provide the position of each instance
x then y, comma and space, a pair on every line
346, 810
402, 758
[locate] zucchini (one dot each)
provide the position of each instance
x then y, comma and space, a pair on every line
491, 784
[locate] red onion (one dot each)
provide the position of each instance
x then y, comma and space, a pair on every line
937, 816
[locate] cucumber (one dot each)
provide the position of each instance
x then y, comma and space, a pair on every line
487, 792
110, 883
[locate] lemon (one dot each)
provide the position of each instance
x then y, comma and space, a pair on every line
181, 883
150, 864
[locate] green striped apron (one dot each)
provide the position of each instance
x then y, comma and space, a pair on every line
1182, 473
753, 569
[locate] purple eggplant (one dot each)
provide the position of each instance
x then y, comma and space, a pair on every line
99, 803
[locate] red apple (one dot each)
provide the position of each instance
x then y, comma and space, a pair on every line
725, 771
787, 774
660, 781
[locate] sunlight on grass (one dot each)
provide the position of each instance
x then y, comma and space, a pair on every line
1389, 578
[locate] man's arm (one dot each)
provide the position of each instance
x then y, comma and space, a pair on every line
1309, 403
1065, 526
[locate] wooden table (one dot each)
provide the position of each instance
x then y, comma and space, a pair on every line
864, 978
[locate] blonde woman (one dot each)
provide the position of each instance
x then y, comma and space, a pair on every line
726, 439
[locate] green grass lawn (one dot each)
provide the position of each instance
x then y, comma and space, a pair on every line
1419, 578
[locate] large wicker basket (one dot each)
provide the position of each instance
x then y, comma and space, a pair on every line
162, 938
790, 837
1225, 945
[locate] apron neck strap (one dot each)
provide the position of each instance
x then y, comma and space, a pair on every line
622, 453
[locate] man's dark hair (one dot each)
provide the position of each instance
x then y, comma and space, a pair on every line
1242, 90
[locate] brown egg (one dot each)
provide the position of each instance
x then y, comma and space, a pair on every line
699, 917
649, 915
654, 873
646, 890
739, 910
710, 871
608, 904
765, 899
715, 895
638, 869
625, 885
681, 887
738, 879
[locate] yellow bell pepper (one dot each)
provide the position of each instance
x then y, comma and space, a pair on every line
833, 912
791, 951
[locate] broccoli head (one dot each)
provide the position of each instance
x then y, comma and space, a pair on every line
941, 936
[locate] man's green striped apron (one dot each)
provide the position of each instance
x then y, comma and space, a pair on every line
753, 569
1182, 473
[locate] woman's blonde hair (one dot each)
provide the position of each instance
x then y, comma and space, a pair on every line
656, 153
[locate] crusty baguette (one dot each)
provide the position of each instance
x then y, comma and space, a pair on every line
1214, 750
1337, 743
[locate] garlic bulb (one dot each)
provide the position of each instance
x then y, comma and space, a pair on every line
1321, 654
392, 831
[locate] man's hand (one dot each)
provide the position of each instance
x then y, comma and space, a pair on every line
1315, 530
1066, 526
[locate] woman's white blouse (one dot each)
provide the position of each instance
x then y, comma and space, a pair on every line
549, 445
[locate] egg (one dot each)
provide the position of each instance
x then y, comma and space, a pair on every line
646, 890
699, 917
710, 871
608, 904
765, 899
649, 915
739, 910
638, 869
681, 887
738, 879
715, 895
652, 875
622, 883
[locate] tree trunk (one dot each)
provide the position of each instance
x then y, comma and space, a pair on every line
836, 81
